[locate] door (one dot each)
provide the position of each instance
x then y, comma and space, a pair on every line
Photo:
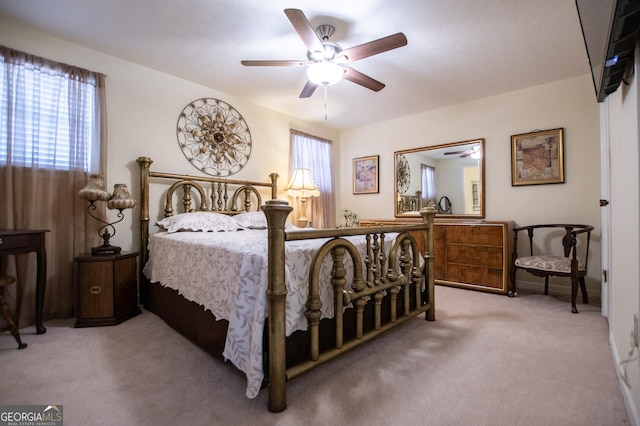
605, 209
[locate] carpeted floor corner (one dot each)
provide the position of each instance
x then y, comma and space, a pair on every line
486, 360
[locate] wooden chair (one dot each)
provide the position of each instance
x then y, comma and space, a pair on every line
545, 265
6, 280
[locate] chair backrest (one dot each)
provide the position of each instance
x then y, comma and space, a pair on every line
569, 240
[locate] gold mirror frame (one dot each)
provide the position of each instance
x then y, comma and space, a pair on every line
448, 159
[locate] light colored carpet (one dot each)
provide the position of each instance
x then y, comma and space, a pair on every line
486, 360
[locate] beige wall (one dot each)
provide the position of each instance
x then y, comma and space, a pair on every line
143, 107
569, 104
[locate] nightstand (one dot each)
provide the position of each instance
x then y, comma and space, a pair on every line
107, 289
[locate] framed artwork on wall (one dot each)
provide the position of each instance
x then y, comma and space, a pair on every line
365, 175
537, 157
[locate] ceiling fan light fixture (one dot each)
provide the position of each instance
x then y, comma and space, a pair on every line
325, 73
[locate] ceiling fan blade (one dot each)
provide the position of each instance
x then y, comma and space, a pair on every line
455, 152
361, 79
275, 63
305, 30
308, 89
374, 47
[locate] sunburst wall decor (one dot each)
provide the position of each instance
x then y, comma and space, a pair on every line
214, 137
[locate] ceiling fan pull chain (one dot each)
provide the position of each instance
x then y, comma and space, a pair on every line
325, 102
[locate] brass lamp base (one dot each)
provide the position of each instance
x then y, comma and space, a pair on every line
105, 249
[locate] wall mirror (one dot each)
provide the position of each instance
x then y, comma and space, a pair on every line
449, 177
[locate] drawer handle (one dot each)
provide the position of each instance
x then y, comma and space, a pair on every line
96, 289
126, 284
1, 242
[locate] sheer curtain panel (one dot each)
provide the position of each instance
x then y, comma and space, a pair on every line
316, 154
428, 174
52, 136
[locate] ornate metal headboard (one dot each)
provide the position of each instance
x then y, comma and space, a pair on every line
410, 203
245, 197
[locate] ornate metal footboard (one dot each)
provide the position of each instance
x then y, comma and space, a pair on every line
392, 283
392, 273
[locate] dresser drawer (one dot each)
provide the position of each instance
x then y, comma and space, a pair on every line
14, 242
475, 234
474, 255
476, 276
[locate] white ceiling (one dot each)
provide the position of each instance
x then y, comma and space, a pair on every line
458, 50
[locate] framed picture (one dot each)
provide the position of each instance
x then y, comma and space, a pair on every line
537, 157
365, 175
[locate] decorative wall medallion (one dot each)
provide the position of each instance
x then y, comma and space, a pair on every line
404, 174
214, 137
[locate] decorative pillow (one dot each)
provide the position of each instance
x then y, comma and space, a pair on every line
199, 221
255, 220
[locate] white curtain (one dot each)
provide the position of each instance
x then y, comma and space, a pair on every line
428, 174
52, 136
316, 154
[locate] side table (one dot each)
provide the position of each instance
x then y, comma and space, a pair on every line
107, 289
20, 241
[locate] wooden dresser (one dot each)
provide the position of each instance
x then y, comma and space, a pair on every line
468, 254
473, 254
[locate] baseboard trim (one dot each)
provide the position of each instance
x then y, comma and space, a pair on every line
632, 410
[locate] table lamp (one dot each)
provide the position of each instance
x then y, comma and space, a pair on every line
120, 199
302, 186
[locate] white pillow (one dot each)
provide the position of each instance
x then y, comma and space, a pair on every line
252, 220
199, 221
255, 220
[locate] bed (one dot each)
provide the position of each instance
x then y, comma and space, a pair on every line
232, 274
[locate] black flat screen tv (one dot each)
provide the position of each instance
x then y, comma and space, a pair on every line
610, 30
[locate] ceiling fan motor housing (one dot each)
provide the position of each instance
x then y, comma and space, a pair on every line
331, 50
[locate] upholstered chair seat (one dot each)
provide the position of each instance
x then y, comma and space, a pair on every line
573, 242
548, 263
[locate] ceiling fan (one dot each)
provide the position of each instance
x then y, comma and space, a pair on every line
465, 153
326, 59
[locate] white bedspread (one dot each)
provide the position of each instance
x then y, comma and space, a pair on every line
226, 272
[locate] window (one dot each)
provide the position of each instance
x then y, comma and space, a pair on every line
49, 116
428, 175
316, 154
52, 136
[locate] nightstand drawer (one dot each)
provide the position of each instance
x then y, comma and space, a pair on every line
107, 289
